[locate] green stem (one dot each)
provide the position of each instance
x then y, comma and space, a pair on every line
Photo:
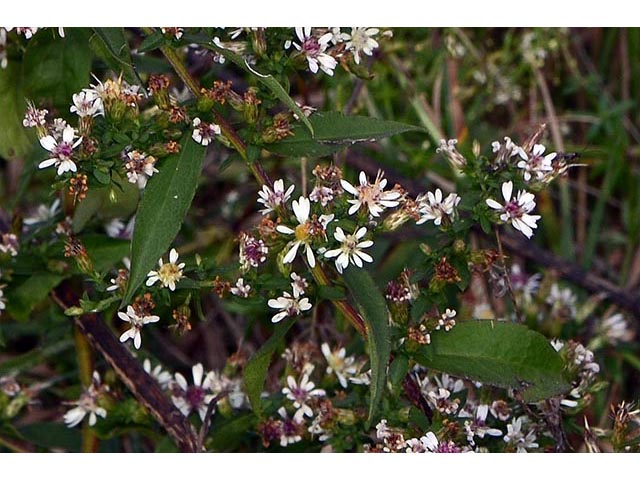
347, 310
85, 364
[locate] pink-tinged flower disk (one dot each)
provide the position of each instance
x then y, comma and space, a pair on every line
193, 398
289, 305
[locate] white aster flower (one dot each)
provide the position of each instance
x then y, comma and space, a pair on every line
189, 398
33, 117
337, 36
61, 151
449, 150
140, 167
516, 437
240, 289
537, 164
304, 232
272, 199
137, 322
87, 103
350, 249
300, 394
478, 427
299, 284
288, 305
204, 132
161, 376
314, 50
87, 404
337, 362
168, 273
371, 195
516, 210
43, 213
447, 320
253, 251
433, 207
615, 329
361, 40
291, 429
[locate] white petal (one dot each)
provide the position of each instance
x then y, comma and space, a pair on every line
493, 204
197, 370
310, 258
173, 256
284, 229
507, 190
48, 143
47, 163
291, 254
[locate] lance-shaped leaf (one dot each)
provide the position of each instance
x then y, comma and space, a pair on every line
502, 354
334, 131
110, 43
255, 371
376, 317
166, 200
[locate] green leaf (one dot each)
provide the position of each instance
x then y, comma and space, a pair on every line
376, 317
255, 371
167, 198
227, 434
54, 69
335, 131
26, 361
112, 46
105, 252
153, 41
28, 294
106, 203
268, 81
15, 140
502, 354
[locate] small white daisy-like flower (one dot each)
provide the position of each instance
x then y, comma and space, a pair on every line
478, 426
204, 132
87, 103
361, 40
304, 231
516, 210
314, 50
433, 207
322, 194
291, 429
43, 213
337, 36
273, 199
61, 151
87, 404
371, 195
350, 249
447, 320
516, 437
240, 289
537, 164
300, 394
299, 284
168, 273
337, 362
33, 117
289, 305
140, 167
193, 398
137, 322
253, 251
162, 376
10, 244
615, 329
27, 32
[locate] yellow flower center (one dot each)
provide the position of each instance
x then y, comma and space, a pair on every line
169, 272
302, 232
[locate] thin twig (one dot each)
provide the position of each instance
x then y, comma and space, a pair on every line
206, 424
507, 278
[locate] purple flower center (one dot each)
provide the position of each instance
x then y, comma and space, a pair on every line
195, 396
64, 150
513, 209
311, 47
448, 447
289, 428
